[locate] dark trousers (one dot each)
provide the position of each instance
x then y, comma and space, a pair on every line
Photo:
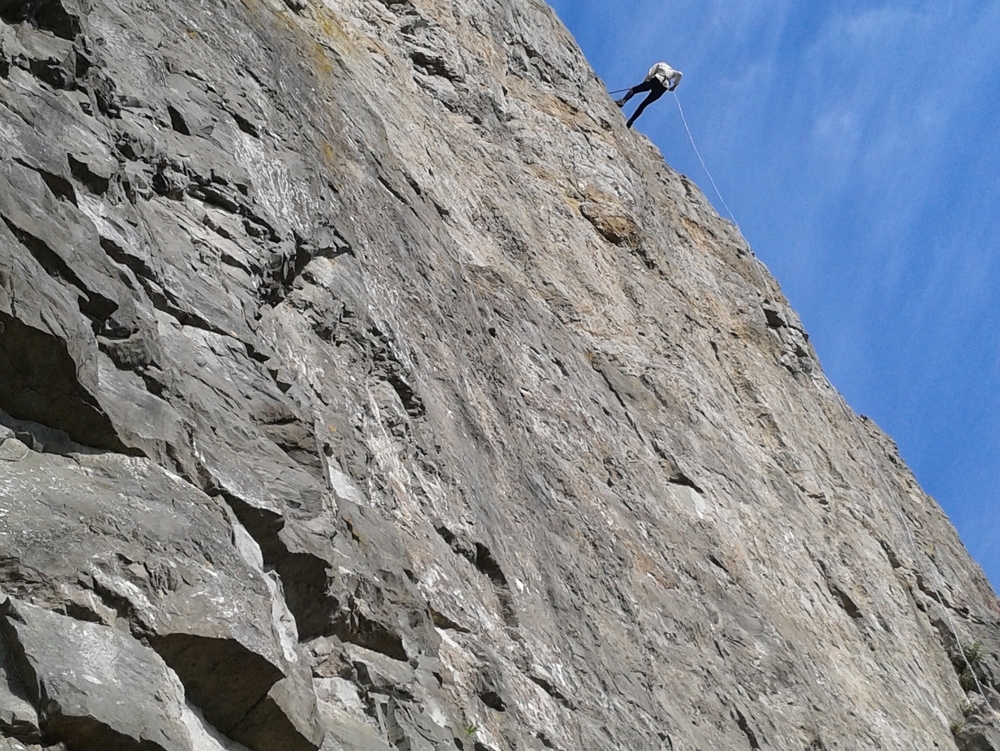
655, 89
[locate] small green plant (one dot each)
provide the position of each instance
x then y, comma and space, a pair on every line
967, 680
972, 655
470, 730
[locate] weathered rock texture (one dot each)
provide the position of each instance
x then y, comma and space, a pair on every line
367, 385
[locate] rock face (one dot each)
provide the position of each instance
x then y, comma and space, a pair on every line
366, 385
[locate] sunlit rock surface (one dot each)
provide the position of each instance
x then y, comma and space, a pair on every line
366, 385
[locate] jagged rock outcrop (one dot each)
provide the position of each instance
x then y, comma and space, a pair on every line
365, 384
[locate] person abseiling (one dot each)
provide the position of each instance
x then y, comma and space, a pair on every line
660, 79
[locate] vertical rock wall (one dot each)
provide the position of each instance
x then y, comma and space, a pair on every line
365, 384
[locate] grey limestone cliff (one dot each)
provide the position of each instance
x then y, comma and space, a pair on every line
366, 385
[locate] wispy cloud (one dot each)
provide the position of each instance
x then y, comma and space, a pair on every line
858, 144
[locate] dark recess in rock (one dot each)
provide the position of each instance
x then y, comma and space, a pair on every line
741, 720
773, 315
442, 621
82, 172
679, 478
486, 563
477, 554
221, 676
87, 734
552, 691
493, 700
50, 15
40, 384
267, 728
355, 627
304, 576
840, 595
61, 188
177, 121
296, 439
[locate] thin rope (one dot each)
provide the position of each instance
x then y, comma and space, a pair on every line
756, 261
897, 507
617, 91
901, 517
703, 165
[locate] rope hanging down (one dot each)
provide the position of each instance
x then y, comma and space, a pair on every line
756, 261
703, 165
896, 505
698, 154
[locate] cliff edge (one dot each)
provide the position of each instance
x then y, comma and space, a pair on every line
366, 385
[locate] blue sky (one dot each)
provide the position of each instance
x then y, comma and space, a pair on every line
858, 146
